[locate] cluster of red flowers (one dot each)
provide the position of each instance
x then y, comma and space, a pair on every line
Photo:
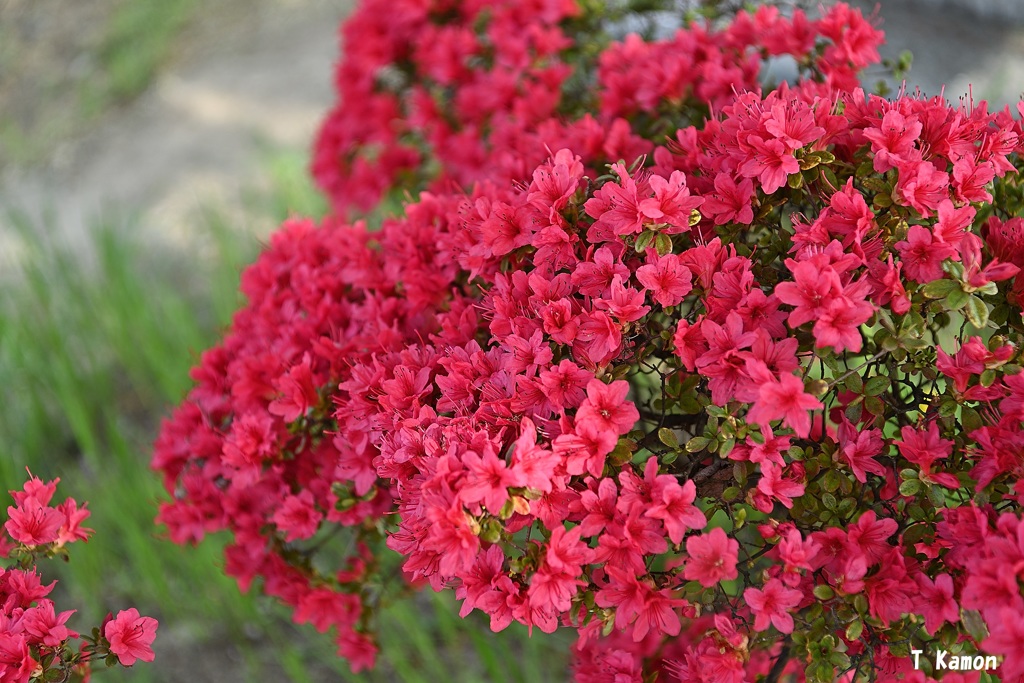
696, 408
440, 94
35, 642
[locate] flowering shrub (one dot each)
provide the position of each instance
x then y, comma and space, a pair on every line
35, 642
441, 93
748, 405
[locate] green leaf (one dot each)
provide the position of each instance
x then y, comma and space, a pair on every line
977, 312
882, 200
877, 385
940, 289
697, 444
874, 405
970, 419
854, 383
688, 405
846, 506
823, 592
956, 299
974, 624
911, 487
668, 437
662, 244
642, 242
854, 630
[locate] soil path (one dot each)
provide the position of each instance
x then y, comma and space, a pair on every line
250, 78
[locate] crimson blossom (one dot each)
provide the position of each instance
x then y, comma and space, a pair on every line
35, 641
744, 404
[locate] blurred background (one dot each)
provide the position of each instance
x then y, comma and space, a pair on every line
146, 149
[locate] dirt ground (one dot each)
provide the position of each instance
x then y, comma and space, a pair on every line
247, 78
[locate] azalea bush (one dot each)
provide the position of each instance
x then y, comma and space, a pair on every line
35, 641
722, 375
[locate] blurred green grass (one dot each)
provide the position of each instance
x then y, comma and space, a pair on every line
93, 351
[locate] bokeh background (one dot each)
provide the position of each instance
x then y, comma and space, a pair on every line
146, 150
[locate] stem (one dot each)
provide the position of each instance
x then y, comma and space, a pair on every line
860, 367
780, 663
711, 470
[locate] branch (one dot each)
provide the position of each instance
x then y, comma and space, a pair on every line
710, 471
780, 663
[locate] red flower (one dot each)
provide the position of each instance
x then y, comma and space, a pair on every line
784, 399
606, 408
131, 636
936, 602
32, 523
922, 256
772, 605
713, 558
667, 278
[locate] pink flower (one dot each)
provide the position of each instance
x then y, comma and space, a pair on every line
859, 448
673, 505
893, 139
32, 523
812, 290
72, 530
565, 384
1006, 637
16, 663
839, 324
658, 615
46, 626
671, 203
298, 517
299, 393
616, 205
713, 558
870, 534
667, 278
357, 649
325, 607
487, 480
936, 602
625, 303
131, 636
772, 605
606, 408
922, 257
922, 187
784, 399
730, 202
773, 486
771, 162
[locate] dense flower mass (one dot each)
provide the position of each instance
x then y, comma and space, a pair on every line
741, 401
35, 641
